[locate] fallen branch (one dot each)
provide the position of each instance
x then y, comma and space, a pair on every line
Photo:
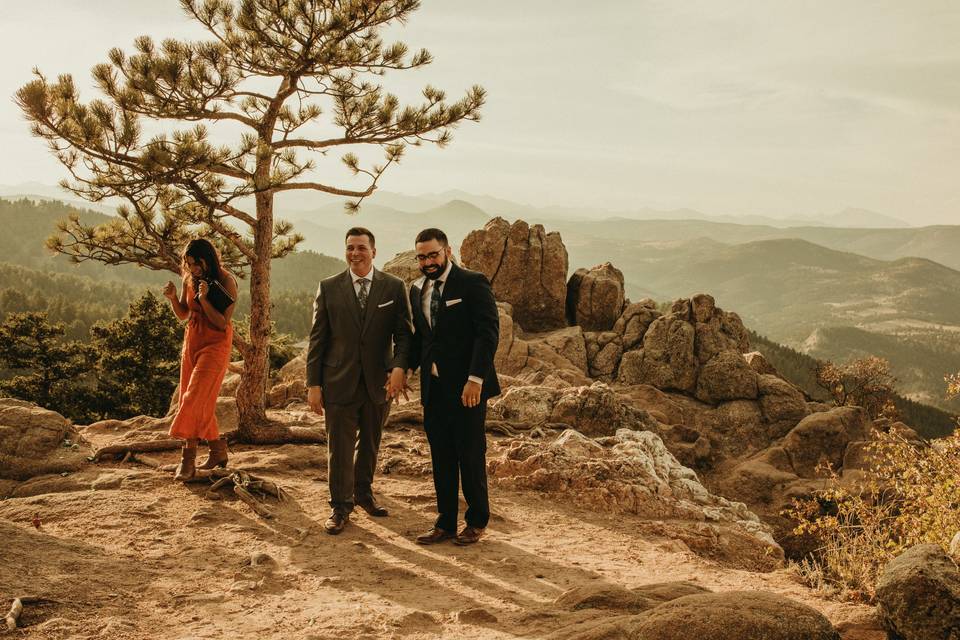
136, 447
13, 617
245, 487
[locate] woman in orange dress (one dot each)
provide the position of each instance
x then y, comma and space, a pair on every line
207, 342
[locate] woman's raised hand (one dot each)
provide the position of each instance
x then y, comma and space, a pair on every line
170, 291
202, 289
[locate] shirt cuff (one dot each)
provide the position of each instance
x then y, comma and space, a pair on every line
479, 381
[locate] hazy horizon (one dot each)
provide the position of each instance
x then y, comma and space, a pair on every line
739, 108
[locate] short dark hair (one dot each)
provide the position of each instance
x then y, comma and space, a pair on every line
432, 234
361, 231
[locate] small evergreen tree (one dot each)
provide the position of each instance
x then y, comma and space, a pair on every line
138, 357
47, 371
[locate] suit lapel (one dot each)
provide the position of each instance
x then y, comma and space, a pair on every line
416, 302
350, 296
449, 290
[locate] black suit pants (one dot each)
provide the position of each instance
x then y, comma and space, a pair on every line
458, 451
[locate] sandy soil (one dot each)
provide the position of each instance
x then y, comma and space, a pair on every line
124, 552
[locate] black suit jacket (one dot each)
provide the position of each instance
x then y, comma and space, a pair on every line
463, 340
345, 344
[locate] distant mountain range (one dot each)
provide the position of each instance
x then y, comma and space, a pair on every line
296, 205
832, 292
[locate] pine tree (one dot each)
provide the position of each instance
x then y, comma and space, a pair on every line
138, 358
47, 371
269, 71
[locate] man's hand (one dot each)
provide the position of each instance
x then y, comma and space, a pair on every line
471, 394
315, 399
397, 385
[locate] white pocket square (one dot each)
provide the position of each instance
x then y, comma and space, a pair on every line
450, 303
385, 304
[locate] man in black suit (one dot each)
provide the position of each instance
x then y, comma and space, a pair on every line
356, 361
457, 330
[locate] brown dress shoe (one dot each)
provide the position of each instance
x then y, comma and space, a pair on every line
370, 505
435, 535
469, 535
336, 522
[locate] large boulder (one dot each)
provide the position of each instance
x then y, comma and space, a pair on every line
918, 595
527, 268
667, 360
34, 441
822, 438
726, 376
781, 402
614, 598
595, 297
404, 265
743, 615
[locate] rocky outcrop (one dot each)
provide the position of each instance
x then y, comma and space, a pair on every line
552, 359
633, 323
527, 268
595, 297
404, 265
918, 595
744, 615
633, 472
594, 410
34, 441
726, 376
620, 599
604, 350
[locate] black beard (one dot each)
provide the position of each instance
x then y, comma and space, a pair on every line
434, 275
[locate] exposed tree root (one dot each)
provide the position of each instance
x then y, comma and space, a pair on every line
128, 448
501, 427
245, 486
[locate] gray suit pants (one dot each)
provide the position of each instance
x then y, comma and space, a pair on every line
354, 429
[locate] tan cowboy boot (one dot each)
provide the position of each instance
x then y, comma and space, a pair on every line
187, 467
217, 457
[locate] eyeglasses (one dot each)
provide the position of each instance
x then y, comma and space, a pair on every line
433, 255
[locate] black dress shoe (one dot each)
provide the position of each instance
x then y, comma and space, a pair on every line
435, 535
369, 504
469, 535
336, 522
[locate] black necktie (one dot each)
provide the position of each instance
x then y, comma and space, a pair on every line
435, 302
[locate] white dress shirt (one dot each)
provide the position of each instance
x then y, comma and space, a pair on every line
356, 280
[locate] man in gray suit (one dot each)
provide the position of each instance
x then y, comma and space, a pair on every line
359, 345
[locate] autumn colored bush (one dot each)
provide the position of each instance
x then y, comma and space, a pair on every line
909, 495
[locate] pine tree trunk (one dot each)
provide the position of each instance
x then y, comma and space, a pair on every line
252, 392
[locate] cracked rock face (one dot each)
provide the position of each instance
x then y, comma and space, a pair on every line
526, 266
633, 472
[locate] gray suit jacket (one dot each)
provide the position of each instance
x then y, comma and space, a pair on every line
345, 344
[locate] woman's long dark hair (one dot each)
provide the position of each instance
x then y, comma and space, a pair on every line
202, 249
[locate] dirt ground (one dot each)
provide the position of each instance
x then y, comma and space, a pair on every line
125, 552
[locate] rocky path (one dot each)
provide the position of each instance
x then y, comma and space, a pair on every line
123, 552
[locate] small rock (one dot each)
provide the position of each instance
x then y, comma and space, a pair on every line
476, 616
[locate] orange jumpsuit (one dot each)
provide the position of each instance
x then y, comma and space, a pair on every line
203, 363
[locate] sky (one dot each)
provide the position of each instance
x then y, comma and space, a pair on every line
730, 107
